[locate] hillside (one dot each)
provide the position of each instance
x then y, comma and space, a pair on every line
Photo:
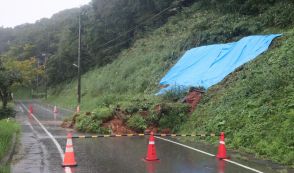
107, 27
253, 105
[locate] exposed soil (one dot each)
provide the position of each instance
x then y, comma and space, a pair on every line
193, 98
117, 126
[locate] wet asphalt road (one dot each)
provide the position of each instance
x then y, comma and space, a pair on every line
39, 154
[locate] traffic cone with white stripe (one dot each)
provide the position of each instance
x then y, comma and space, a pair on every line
151, 152
69, 156
222, 152
55, 109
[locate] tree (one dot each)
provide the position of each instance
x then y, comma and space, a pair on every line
7, 79
13, 73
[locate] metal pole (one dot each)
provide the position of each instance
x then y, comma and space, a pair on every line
79, 61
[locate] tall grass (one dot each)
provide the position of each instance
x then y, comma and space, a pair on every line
4, 169
7, 129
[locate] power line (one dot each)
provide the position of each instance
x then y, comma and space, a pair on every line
133, 28
118, 44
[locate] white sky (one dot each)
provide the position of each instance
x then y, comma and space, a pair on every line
16, 12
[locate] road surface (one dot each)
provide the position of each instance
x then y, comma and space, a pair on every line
40, 153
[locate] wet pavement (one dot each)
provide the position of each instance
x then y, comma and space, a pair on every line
39, 154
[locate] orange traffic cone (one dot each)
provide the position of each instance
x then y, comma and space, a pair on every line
55, 109
222, 153
151, 152
30, 109
78, 109
69, 156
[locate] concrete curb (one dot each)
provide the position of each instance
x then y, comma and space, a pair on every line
10, 152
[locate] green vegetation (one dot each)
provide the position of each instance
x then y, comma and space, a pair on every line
54, 41
135, 114
7, 129
13, 73
91, 121
136, 72
247, 105
137, 122
7, 112
4, 169
254, 106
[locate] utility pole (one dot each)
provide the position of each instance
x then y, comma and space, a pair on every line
45, 65
46, 77
79, 60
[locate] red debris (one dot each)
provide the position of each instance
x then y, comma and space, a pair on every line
193, 98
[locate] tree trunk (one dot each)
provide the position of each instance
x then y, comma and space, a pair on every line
4, 97
4, 103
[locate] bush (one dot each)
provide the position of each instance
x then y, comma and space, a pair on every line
152, 119
137, 123
92, 122
87, 123
174, 116
103, 113
7, 112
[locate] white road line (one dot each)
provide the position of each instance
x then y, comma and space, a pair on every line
186, 146
67, 169
252, 169
48, 133
56, 137
209, 154
21, 109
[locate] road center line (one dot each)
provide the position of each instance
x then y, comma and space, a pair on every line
209, 154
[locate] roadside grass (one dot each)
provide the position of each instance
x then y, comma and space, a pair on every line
7, 128
253, 105
4, 169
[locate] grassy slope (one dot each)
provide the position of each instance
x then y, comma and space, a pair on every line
247, 105
254, 105
138, 70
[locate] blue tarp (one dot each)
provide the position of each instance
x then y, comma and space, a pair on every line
207, 65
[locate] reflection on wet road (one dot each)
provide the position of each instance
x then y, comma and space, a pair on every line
108, 155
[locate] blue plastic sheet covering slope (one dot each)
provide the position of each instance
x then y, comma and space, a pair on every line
207, 65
